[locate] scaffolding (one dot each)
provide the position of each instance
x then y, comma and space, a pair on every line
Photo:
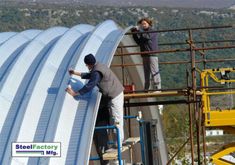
195, 96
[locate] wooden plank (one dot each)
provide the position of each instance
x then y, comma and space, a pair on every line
112, 154
132, 140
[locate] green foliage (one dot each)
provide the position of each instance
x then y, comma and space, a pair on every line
19, 18
175, 121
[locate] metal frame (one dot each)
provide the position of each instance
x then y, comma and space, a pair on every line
195, 113
118, 138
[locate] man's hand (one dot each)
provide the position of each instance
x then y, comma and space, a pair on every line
71, 71
71, 92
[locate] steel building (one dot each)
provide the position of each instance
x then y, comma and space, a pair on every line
33, 76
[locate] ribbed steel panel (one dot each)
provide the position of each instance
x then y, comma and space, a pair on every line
14, 88
105, 55
55, 69
39, 77
10, 50
33, 103
5, 36
69, 131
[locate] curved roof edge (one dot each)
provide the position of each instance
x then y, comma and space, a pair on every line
38, 76
34, 106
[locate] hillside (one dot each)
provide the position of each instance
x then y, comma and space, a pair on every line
153, 3
41, 17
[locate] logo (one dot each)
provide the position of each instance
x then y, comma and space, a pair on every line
35, 149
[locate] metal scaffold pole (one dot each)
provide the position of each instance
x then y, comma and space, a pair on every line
191, 98
194, 88
190, 122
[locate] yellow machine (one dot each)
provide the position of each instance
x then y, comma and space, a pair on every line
215, 111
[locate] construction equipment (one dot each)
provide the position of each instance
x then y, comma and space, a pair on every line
219, 115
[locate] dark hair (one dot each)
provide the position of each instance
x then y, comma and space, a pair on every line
90, 59
149, 21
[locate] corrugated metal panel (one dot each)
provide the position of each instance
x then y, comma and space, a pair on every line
14, 88
56, 66
69, 131
5, 36
33, 103
39, 77
10, 50
78, 145
104, 55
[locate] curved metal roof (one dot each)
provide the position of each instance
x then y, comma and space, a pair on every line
33, 103
5, 36
33, 76
11, 48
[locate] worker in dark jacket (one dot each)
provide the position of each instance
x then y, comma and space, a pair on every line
109, 85
148, 42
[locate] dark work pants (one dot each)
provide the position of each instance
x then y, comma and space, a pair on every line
101, 140
101, 136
